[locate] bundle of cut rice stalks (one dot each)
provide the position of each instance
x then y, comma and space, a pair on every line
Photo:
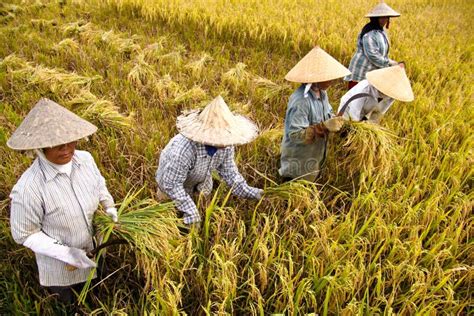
297, 193
364, 151
150, 230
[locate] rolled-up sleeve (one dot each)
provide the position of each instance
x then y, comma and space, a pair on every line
372, 51
173, 171
230, 174
26, 213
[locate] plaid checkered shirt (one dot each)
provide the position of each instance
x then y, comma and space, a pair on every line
371, 54
185, 167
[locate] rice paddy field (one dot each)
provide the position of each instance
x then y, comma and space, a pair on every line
388, 228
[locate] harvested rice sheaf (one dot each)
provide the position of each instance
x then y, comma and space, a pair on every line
366, 149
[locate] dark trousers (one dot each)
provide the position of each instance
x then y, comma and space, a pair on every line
66, 294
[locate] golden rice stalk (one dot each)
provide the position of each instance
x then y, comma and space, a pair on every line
166, 88
237, 75
9, 8
119, 43
194, 94
175, 57
300, 193
75, 28
42, 23
13, 62
141, 73
366, 149
152, 52
152, 233
270, 89
100, 111
150, 230
66, 45
197, 65
55, 80
59, 81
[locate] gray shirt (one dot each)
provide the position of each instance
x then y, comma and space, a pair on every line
60, 206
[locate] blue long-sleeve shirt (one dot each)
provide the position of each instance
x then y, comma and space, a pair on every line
299, 158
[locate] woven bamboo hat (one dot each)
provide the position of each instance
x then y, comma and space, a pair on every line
382, 9
47, 125
392, 81
317, 66
216, 125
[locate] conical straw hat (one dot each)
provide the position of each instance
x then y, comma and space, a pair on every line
215, 125
382, 9
317, 66
47, 125
392, 81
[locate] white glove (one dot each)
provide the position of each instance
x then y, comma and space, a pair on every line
112, 212
259, 194
42, 244
392, 62
334, 124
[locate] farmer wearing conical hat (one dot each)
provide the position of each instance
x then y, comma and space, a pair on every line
309, 116
53, 202
372, 45
205, 143
371, 98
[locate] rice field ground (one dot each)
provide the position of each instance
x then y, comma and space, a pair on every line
387, 230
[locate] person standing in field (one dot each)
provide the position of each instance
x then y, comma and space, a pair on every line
309, 116
372, 97
54, 201
205, 143
372, 45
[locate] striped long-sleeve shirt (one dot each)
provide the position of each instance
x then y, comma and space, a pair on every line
60, 206
372, 53
185, 167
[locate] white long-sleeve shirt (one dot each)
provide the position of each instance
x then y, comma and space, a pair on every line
61, 206
372, 107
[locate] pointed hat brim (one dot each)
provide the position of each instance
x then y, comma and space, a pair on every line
47, 125
381, 10
317, 66
392, 81
217, 126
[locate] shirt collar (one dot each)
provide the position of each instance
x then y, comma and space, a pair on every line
202, 152
317, 94
50, 172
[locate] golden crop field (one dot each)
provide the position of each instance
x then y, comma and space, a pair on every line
387, 230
